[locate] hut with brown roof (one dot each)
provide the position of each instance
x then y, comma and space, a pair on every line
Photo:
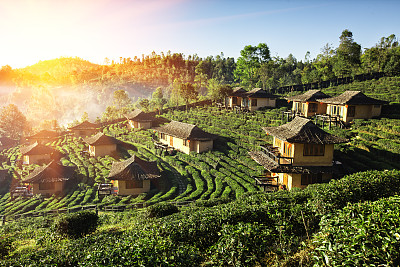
258, 98
37, 154
6, 143
250, 100
301, 154
133, 176
101, 145
138, 119
50, 179
84, 129
307, 105
235, 98
185, 137
352, 105
43, 137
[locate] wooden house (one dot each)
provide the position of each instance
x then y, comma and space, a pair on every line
37, 154
6, 143
307, 105
258, 98
84, 129
235, 98
301, 154
185, 137
101, 145
133, 176
353, 105
43, 137
138, 119
50, 179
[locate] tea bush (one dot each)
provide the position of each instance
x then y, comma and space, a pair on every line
77, 224
161, 210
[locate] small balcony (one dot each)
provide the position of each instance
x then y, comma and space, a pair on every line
274, 154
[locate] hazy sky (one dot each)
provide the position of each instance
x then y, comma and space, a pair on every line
33, 30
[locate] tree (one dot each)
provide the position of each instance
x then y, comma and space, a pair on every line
218, 91
12, 121
121, 99
248, 64
348, 55
144, 104
188, 92
158, 99
85, 117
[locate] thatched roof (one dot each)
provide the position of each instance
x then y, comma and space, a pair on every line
86, 125
52, 172
134, 168
273, 166
44, 134
352, 98
259, 93
101, 139
185, 131
311, 95
139, 115
238, 92
36, 149
304, 131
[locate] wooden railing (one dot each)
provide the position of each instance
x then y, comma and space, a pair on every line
274, 154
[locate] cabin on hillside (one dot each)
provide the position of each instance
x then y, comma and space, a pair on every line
301, 154
43, 137
307, 105
258, 98
133, 176
6, 143
138, 119
37, 154
353, 105
50, 179
101, 145
235, 98
250, 100
84, 129
185, 137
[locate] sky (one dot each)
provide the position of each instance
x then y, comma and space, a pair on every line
34, 30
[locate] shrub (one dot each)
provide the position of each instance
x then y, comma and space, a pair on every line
77, 224
161, 210
5, 246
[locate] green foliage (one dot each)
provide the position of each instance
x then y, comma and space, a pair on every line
161, 210
361, 234
77, 224
5, 246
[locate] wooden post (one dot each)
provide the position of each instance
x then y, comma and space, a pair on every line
96, 210
4, 220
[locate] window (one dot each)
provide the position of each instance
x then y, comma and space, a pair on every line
234, 100
313, 150
186, 142
130, 184
254, 102
287, 149
46, 186
351, 111
312, 107
311, 178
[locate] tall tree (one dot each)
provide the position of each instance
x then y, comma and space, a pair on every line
248, 65
188, 92
157, 99
12, 121
218, 91
347, 55
121, 99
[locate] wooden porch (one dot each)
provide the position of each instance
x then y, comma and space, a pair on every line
274, 154
267, 182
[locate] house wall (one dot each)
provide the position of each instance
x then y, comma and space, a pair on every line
230, 101
58, 188
102, 150
294, 179
376, 110
35, 159
300, 160
262, 102
120, 184
178, 144
139, 125
202, 146
361, 112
